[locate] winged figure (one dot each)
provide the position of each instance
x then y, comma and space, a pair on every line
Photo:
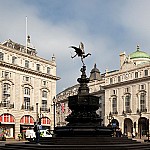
80, 52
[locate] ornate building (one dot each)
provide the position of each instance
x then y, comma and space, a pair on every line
124, 94
28, 85
127, 93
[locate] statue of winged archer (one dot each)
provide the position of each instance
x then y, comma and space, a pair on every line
80, 52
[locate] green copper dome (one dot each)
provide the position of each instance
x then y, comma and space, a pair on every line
139, 54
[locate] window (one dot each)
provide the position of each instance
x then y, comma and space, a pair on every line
44, 94
127, 103
27, 79
111, 80
44, 83
6, 74
26, 98
146, 72
26, 103
44, 100
142, 87
119, 79
27, 91
38, 67
127, 90
44, 105
48, 70
114, 105
143, 102
14, 59
6, 94
26, 63
136, 74
1, 56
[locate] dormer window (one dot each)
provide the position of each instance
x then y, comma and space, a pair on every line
48, 70
146, 72
136, 74
14, 59
26, 63
38, 67
119, 79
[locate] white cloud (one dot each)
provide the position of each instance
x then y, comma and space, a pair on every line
106, 29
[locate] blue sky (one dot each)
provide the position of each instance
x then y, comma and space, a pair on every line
106, 27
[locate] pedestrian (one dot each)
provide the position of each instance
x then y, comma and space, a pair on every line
19, 136
37, 128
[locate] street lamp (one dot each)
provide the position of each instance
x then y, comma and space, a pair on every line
148, 128
54, 105
110, 117
140, 123
37, 116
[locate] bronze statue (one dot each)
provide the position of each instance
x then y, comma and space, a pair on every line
80, 52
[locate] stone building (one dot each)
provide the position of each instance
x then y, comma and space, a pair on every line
28, 85
127, 93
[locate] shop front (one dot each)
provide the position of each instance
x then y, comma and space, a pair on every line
8, 125
26, 122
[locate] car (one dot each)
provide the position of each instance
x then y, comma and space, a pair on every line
31, 135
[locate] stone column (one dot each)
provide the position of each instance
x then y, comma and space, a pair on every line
17, 128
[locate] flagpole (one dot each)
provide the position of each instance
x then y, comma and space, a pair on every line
26, 32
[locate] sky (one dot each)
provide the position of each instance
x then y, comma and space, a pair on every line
106, 28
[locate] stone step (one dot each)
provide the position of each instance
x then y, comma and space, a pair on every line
138, 146
85, 141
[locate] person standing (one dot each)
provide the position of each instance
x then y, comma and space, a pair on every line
38, 127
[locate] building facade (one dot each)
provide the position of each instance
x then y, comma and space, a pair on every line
127, 93
27, 88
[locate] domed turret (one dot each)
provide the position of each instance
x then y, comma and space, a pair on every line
95, 74
139, 54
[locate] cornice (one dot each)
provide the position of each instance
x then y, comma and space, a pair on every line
120, 72
37, 58
127, 82
28, 70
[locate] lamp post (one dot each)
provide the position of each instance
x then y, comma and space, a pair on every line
148, 128
37, 117
110, 117
140, 123
54, 105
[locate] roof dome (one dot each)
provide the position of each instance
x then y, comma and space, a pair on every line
95, 74
139, 54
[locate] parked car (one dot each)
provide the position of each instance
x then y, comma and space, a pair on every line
31, 135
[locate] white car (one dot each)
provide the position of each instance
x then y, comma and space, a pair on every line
30, 134
45, 133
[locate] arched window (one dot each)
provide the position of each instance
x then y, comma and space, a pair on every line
27, 119
127, 103
6, 94
44, 100
27, 98
143, 102
114, 105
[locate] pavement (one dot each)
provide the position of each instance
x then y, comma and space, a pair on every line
2, 143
